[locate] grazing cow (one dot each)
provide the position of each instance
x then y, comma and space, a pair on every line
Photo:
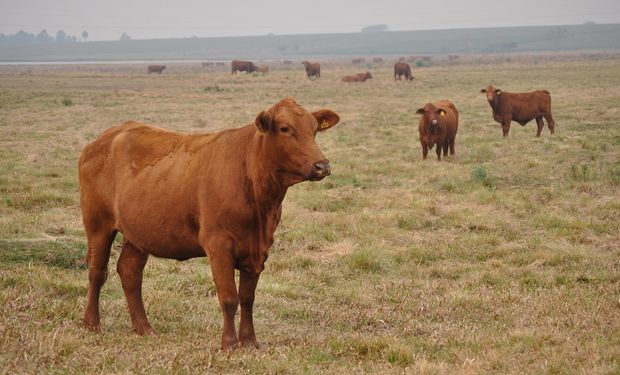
207, 64
378, 60
359, 77
156, 68
181, 196
312, 69
220, 64
402, 69
242, 66
287, 62
453, 58
358, 60
438, 125
263, 69
520, 107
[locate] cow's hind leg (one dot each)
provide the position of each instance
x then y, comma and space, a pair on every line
550, 122
97, 257
452, 146
438, 150
445, 148
540, 125
130, 268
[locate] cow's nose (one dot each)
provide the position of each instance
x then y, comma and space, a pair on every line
434, 122
322, 168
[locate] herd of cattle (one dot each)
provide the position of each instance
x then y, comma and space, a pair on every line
181, 196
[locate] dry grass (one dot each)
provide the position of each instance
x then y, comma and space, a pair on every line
503, 259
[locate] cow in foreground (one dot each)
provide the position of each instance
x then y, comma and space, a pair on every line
438, 125
313, 70
181, 196
242, 66
402, 69
156, 68
520, 107
359, 77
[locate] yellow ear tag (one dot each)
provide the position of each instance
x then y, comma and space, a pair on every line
443, 113
324, 124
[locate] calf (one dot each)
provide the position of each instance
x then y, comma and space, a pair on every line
313, 70
520, 107
359, 77
438, 125
181, 196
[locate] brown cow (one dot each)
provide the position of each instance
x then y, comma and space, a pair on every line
312, 69
359, 77
156, 68
358, 60
438, 125
520, 107
242, 66
263, 69
181, 196
378, 60
402, 69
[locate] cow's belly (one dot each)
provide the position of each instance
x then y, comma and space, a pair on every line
159, 219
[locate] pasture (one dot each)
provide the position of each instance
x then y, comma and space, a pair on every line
502, 259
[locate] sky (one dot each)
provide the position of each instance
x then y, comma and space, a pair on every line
151, 19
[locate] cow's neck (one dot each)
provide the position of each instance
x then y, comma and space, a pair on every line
266, 193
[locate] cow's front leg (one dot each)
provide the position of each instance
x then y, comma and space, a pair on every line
247, 287
505, 127
222, 268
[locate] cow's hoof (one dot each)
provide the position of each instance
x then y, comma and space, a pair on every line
144, 331
93, 326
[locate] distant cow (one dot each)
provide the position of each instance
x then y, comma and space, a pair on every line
377, 60
207, 64
242, 66
358, 60
313, 70
220, 64
287, 62
156, 68
453, 58
520, 107
181, 196
359, 77
263, 69
438, 124
402, 69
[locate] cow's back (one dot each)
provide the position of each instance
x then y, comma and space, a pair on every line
145, 180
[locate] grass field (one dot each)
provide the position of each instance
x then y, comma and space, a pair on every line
502, 259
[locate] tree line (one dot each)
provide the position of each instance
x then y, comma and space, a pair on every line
23, 37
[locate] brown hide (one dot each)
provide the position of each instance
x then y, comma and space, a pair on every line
263, 69
242, 66
156, 68
359, 77
438, 125
312, 69
181, 196
520, 107
402, 69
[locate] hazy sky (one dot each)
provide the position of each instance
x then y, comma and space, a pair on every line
146, 19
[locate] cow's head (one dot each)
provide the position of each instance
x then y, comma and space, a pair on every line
492, 93
432, 115
286, 133
368, 75
306, 63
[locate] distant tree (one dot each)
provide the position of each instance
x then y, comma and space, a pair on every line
84, 34
43, 37
23, 37
125, 36
375, 29
61, 36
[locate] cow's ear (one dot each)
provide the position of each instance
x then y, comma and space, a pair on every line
498, 92
263, 121
420, 111
483, 91
326, 119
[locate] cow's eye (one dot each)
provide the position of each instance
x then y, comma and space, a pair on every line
284, 129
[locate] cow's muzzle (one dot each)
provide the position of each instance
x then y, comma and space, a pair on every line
320, 170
